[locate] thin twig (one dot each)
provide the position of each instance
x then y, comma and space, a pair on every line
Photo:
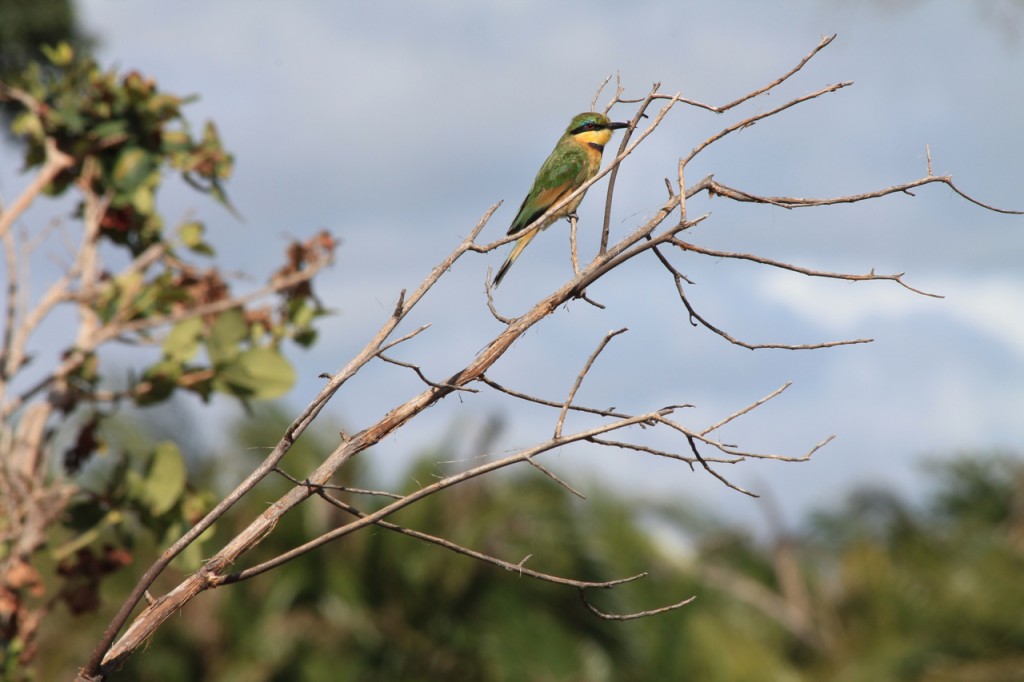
339, 488
609, 193
550, 474
479, 556
551, 403
600, 88
751, 120
574, 254
871, 276
694, 315
631, 616
422, 376
579, 378
722, 108
403, 339
720, 477
752, 406
489, 290
718, 189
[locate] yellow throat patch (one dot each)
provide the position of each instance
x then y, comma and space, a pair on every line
598, 137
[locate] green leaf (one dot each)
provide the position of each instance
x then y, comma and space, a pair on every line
257, 373
163, 380
164, 105
165, 480
29, 124
109, 131
145, 303
72, 119
88, 536
60, 54
142, 200
302, 313
227, 332
305, 338
84, 514
182, 342
194, 507
131, 169
175, 141
191, 235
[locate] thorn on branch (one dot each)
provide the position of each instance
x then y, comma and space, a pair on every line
522, 562
399, 305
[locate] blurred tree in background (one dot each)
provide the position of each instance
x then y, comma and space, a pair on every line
885, 589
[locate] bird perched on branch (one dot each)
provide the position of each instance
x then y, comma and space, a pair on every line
576, 159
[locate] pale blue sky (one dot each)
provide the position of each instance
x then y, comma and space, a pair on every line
396, 126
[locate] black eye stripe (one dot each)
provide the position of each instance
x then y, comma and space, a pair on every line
589, 125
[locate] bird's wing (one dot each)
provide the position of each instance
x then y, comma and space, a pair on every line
561, 173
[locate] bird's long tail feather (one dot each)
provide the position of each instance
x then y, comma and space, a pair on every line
520, 245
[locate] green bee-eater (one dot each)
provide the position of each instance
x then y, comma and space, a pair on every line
576, 159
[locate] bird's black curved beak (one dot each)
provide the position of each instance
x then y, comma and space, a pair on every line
616, 126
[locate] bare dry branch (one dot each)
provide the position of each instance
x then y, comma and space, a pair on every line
904, 188
694, 315
898, 278
56, 162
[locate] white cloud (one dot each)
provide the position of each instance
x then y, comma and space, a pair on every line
992, 306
